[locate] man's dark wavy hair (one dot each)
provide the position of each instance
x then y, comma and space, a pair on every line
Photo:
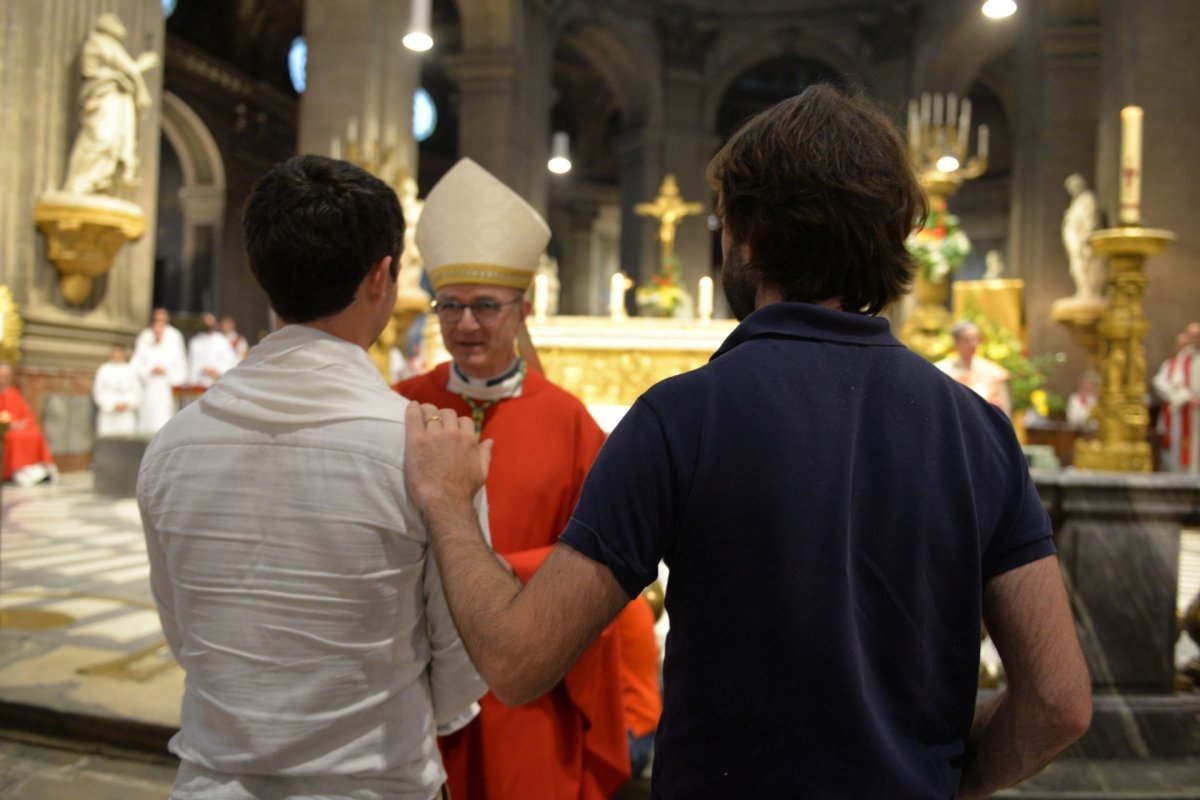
313, 226
821, 187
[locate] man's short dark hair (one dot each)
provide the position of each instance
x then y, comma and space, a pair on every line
821, 187
313, 226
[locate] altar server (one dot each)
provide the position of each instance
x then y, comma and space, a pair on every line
480, 243
210, 354
117, 391
161, 359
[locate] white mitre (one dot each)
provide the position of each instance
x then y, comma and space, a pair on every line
474, 229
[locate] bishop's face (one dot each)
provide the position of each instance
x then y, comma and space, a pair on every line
481, 348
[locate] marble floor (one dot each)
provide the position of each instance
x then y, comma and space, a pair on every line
87, 704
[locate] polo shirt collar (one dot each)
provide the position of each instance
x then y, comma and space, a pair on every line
808, 321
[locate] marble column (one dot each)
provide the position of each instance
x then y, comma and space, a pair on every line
1054, 126
39, 117
1118, 543
360, 75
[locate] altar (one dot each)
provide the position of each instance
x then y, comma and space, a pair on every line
608, 362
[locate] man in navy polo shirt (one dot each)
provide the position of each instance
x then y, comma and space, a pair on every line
836, 513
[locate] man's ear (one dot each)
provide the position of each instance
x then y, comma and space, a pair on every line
379, 277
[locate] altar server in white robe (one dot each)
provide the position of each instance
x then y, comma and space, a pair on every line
1178, 384
117, 390
161, 360
210, 354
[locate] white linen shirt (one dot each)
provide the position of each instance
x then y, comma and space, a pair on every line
296, 584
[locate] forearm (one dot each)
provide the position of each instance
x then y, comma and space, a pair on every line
1008, 744
479, 591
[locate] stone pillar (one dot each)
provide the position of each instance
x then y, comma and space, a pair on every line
39, 120
359, 70
1054, 128
575, 271
504, 110
1149, 58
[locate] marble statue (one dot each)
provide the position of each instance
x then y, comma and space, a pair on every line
114, 92
1079, 221
995, 265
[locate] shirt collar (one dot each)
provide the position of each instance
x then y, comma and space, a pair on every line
808, 321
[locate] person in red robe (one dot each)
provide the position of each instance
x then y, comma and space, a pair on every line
480, 243
27, 458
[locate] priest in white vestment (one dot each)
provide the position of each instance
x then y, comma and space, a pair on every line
210, 354
161, 359
988, 379
117, 390
1177, 383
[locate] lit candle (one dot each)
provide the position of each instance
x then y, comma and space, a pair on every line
704, 304
352, 129
964, 124
541, 296
1131, 165
616, 295
983, 141
335, 148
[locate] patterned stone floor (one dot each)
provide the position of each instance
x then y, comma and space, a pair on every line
66, 551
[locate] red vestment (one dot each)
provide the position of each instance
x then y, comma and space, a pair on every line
24, 443
570, 743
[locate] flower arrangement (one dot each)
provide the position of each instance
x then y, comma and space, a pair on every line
663, 295
940, 246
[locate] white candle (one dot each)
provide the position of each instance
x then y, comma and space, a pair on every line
541, 296
925, 109
1131, 165
335, 148
352, 129
704, 303
914, 124
616, 295
983, 141
964, 124
951, 110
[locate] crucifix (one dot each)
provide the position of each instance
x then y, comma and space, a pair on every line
668, 208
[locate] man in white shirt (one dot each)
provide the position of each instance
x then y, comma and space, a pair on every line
210, 354
160, 357
293, 577
236, 340
117, 390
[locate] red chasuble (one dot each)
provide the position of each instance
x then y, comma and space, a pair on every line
24, 443
570, 743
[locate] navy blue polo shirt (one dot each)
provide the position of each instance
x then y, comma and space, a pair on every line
830, 506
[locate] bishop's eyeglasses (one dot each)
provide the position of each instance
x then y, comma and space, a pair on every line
484, 311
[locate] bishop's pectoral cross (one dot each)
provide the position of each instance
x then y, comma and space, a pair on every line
668, 208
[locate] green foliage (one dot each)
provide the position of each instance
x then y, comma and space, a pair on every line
1028, 373
662, 295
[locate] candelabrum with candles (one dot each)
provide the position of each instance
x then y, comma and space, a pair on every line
1121, 445
939, 131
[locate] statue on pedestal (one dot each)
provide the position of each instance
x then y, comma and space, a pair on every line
1080, 220
113, 93
83, 224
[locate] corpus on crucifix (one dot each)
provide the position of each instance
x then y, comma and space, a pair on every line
668, 208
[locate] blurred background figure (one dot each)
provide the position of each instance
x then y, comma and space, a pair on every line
117, 391
27, 458
1083, 402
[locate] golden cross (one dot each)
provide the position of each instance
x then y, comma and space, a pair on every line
668, 208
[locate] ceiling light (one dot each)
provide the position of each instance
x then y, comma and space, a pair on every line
999, 9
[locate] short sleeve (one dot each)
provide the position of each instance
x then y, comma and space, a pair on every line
1027, 538
627, 507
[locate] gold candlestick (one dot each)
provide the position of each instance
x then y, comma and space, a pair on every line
1121, 445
